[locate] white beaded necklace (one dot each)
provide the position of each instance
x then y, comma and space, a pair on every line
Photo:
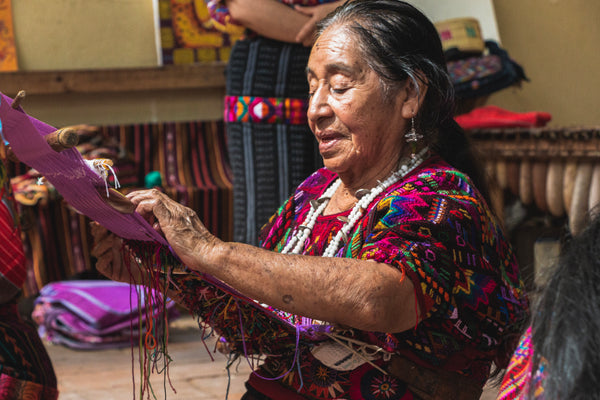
296, 243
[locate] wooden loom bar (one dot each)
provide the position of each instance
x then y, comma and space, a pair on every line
536, 143
194, 76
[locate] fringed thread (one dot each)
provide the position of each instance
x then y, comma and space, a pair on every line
145, 262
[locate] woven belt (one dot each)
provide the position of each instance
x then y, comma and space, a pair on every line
270, 110
431, 384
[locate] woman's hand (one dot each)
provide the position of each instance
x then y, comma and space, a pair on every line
180, 225
110, 253
315, 13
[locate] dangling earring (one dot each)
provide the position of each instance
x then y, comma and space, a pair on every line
412, 137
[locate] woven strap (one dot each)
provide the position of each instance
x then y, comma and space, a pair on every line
431, 384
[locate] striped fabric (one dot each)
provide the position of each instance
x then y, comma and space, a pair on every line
191, 158
25, 368
271, 148
26, 371
12, 257
518, 378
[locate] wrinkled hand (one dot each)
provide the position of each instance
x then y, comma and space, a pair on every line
306, 36
180, 225
110, 252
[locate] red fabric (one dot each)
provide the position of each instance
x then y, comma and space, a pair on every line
272, 389
12, 256
496, 117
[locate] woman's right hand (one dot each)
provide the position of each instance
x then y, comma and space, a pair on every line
180, 225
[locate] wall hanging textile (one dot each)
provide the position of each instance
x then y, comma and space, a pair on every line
188, 34
190, 158
8, 50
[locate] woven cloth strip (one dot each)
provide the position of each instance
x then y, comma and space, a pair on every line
68, 172
79, 186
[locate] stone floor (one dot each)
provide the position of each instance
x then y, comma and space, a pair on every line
107, 374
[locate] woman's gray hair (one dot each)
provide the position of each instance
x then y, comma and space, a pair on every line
399, 42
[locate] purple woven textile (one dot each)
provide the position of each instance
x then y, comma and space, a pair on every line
96, 314
69, 174
79, 185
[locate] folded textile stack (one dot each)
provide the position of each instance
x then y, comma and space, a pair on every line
99, 314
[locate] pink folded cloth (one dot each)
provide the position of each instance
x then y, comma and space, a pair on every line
496, 117
98, 314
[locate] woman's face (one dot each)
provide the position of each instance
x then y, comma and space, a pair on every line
360, 135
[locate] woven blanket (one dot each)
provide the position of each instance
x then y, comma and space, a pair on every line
94, 314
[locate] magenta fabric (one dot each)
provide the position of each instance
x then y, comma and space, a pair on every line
94, 314
78, 185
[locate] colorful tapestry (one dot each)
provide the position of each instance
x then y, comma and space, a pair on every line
8, 51
26, 370
189, 35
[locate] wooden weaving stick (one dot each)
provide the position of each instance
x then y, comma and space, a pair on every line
58, 140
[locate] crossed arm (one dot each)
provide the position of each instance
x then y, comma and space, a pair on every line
277, 21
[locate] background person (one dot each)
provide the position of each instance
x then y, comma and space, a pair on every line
557, 357
271, 149
391, 242
26, 371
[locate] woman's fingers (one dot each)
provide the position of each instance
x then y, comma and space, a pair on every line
102, 243
306, 33
107, 249
162, 212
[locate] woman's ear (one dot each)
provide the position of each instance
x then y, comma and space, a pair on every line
414, 92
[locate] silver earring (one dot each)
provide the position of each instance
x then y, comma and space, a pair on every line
412, 137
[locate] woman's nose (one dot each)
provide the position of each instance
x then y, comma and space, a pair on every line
318, 105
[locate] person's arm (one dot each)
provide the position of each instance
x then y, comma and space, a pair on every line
361, 294
268, 18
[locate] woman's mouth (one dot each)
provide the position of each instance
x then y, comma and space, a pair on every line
327, 142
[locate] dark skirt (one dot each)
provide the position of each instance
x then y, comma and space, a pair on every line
26, 371
269, 155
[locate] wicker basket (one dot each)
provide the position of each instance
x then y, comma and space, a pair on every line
463, 34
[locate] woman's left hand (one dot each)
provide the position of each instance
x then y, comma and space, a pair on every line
180, 225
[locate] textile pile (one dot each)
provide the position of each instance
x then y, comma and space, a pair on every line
100, 314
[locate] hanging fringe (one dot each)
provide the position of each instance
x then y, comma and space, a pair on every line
149, 260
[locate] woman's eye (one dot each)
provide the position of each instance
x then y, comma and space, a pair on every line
339, 90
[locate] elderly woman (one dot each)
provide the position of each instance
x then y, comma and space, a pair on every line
391, 243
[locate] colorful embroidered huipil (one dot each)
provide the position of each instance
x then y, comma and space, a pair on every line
433, 226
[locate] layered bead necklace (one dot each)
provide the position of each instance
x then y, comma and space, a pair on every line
296, 243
